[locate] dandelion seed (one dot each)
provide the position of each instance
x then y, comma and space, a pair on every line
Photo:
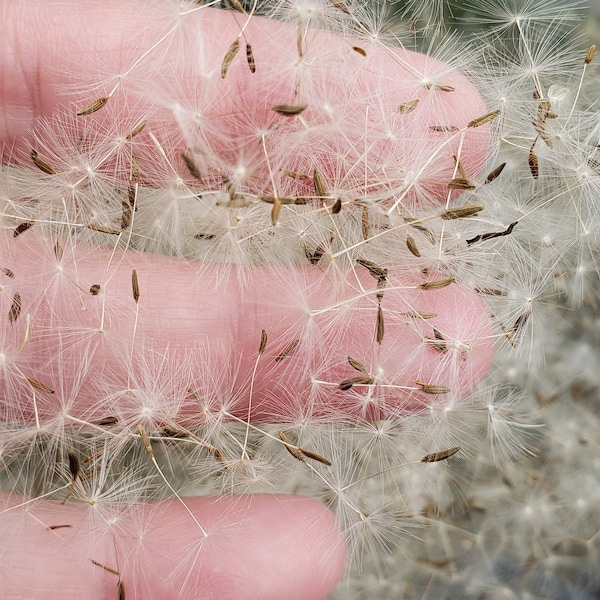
438, 456
488, 236
444, 128
205, 236
109, 569
436, 285
58, 251
357, 365
460, 168
288, 350
460, 184
439, 343
293, 450
490, 292
443, 88
296, 175
121, 588
590, 55
146, 441
126, 212
494, 174
427, 232
347, 384
15, 308
461, 212
38, 385
263, 342
107, 421
336, 207
229, 56
483, 119
430, 388
53, 527
135, 287
533, 164
74, 465
359, 50
419, 314
315, 456
341, 6
289, 110
316, 256
365, 224
191, 165
380, 325
319, 185
276, 211
250, 58
135, 169
407, 107
93, 107
137, 129
412, 246
7, 272
22, 228
375, 270
102, 229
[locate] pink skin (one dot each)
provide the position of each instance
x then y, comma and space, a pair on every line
214, 324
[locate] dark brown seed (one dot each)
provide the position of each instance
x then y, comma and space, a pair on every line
137, 129
488, 236
191, 165
15, 309
337, 206
95, 289
53, 527
121, 588
442, 455
380, 325
263, 342
319, 185
316, 256
23, 227
444, 88
106, 421
533, 164
341, 6
375, 270
126, 206
93, 107
288, 350
293, 450
250, 58
347, 384
38, 385
8, 272
73, 465
365, 224
357, 365
360, 50
443, 128
40, 164
289, 110
494, 174
430, 388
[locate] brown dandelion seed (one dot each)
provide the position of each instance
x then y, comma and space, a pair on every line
319, 185
53, 527
412, 246
58, 250
483, 119
250, 58
22, 228
109, 569
364, 222
121, 589
341, 6
374, 269
102, 229
288, 350
316, 256
533, 164
407, 107
347, 384
7, 272
430, 388
359, 50
296, 175
443, 88
126, 211
146, 440
15, 308
293, 450
590, 55
380, 325
93, 107
263, 342
94, 289
357, 365
442, 455
444, 128
137, 129
439, 342
42, 165
461, 212
135, 286
191, 166
494, 174
336, 207
488, 236
436, 285
289, 110
38, 385
74, 465
132, 191
106, 421
229, 56
460, 184
276, 211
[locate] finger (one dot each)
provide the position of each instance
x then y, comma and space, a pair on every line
184, 343
383, 113
231, 548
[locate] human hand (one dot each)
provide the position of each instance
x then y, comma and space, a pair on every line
146, 359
